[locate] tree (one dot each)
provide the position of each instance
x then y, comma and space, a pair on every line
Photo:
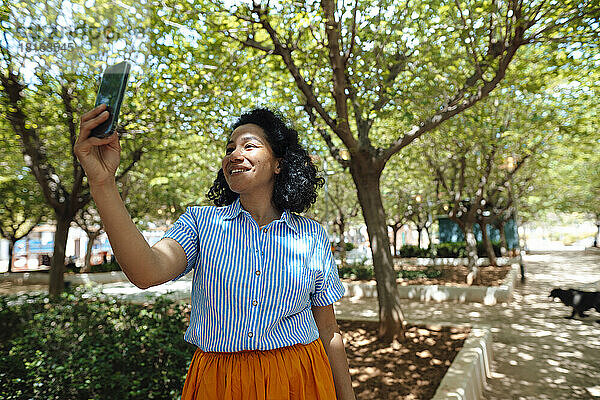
22, 207
21, 210
354, 68
469, 158
339, 205
397, 211
43, 109
175, 112
410, 193
573, 181
421, 213
89, 221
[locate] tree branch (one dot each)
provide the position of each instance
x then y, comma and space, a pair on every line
471, 47
337, 62
350, 48
399, 65
67, 97
33, 151
135, 157
285, 54
333, 149
455, 106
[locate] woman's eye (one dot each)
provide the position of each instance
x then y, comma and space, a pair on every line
230, 149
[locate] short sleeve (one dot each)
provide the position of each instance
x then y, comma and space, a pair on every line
328, 288
185, 232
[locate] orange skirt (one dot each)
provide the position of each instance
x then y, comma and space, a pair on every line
295, 372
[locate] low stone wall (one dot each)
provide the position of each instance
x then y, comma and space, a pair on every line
466, 377
454, 261
481, 294
43, 278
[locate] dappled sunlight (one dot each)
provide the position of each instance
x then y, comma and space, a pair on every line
594, 391
357, 308
410, 369
178, 290
538, 354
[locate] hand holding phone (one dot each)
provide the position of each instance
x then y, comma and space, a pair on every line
111, 92
97, 148
99, 157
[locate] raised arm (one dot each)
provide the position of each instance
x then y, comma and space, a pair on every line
144, 266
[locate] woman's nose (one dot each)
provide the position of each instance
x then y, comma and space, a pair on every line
235, 153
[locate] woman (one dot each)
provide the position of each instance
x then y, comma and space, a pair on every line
264, 279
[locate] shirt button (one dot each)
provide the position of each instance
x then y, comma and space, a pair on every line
258, 272
250, 334
254, 302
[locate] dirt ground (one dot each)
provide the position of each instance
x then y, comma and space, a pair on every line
411, 370
456, 275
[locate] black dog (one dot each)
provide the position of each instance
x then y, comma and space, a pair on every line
580, 301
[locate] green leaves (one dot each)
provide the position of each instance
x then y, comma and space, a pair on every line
94, 348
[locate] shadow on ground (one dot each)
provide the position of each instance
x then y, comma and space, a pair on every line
537, 353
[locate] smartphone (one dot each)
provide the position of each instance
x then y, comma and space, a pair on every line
111, 92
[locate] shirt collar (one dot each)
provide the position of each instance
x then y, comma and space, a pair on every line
235, 208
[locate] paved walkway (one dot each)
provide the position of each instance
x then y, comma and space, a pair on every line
537, 353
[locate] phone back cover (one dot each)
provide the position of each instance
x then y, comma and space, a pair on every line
111, 92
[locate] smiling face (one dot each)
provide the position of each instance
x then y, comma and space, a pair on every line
249, 164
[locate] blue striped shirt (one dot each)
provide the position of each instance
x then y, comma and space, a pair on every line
253, 287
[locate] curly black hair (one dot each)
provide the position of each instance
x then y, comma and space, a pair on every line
296, 185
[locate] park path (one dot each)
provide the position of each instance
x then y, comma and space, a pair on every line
537, 353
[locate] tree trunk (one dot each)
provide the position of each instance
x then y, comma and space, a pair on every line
395, 229
419, 229
342, 226
503, 241
88, 251
471, 252
428, 237
391, 319
57, 267
11, 250
489, 248
597, 241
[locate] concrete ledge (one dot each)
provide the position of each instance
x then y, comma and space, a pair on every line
481, 294
454, 261
466, 377
42, 278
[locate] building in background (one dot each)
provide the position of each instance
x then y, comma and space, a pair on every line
450, 232
33, 252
